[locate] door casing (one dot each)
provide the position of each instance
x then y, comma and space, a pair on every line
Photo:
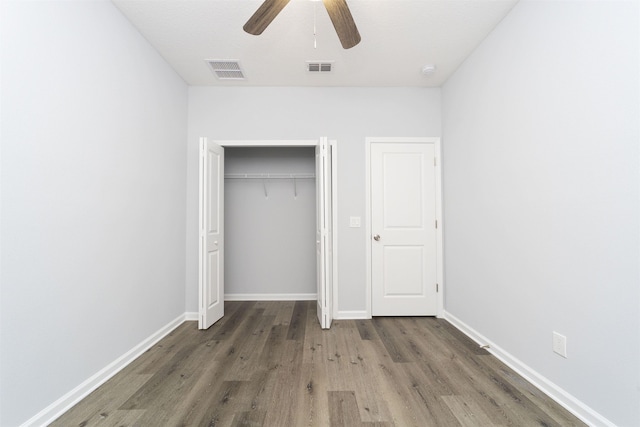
439, 233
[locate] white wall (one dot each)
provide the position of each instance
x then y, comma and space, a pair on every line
270, 241
345, 114
541, 151
93, 197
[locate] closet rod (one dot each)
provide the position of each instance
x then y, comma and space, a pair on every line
269, 176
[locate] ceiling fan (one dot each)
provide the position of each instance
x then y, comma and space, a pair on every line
338, 12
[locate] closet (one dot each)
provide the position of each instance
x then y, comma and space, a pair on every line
266, 215
270, 223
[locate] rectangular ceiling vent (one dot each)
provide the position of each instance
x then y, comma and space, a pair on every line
226, 69
319, 66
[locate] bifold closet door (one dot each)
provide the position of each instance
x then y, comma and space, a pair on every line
324, 233
211, 246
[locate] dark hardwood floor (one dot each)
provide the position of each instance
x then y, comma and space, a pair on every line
270, 364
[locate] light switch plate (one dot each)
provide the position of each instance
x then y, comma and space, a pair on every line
354, 221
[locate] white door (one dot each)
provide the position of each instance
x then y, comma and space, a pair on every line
403, 229
324, 233
211, 259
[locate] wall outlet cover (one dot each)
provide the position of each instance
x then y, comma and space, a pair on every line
560, 344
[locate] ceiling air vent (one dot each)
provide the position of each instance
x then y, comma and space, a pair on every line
319, 67
226, 69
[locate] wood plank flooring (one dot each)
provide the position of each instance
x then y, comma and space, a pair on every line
270, 364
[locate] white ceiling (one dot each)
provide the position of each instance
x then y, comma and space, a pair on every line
399, 37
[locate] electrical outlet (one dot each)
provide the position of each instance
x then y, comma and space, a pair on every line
560, 344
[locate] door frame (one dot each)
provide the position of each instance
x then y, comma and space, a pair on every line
334, 201
439, 246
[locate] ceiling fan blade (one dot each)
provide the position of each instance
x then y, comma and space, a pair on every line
343, 22
264, 15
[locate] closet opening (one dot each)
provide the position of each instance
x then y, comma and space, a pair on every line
266, 218
269, 223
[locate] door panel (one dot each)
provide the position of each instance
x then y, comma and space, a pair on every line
211, 269
403, 270
404, 200
403, 213
213, 262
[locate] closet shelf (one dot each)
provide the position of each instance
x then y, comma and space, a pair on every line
269, 176
266, 176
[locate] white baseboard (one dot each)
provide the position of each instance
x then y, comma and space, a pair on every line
568, 401
191, 315
270, 297
63, 404
351, 315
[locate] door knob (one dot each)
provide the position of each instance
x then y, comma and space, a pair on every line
376, 237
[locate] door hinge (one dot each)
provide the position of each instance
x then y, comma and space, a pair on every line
437, 288
436, 223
